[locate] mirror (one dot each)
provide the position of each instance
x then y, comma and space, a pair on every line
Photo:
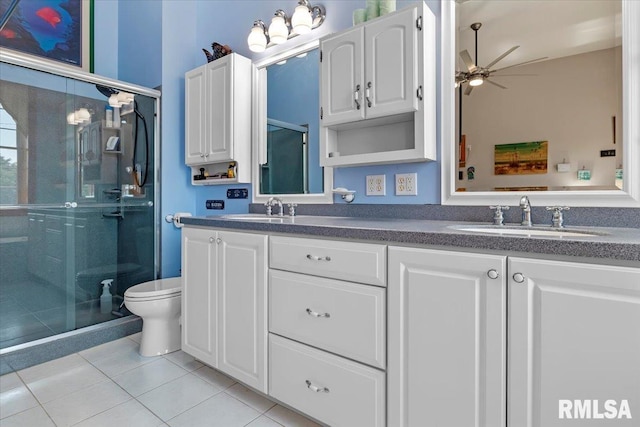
286, 111
543, 127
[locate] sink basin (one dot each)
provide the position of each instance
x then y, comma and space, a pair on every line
542, 231
256, 217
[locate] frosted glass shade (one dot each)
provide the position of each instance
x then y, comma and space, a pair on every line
83, 116
301, 20
113, 100
278, 30
476, 81
257, 40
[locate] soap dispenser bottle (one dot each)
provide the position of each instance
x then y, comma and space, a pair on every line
105, 299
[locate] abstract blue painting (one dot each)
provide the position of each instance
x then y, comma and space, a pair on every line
51, 29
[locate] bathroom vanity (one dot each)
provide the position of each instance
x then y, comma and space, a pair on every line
380, 322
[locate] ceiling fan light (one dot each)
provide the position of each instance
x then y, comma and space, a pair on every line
476, 81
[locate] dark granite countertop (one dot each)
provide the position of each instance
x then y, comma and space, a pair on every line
602, 242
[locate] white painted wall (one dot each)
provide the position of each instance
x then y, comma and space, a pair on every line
569, 102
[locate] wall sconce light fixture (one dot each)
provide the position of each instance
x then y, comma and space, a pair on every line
79, 117
258, 37
305, 18
120, 99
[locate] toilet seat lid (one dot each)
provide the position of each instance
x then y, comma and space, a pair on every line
155, 288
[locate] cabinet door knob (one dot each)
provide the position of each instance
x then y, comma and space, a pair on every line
318, 258
315, 388
211, 240
493, 274
518, 277
368, 94
316, 314
218, 240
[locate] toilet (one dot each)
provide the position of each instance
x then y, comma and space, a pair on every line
158, 304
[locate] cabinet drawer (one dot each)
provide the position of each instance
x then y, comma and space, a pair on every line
333, 390
341, 317
356, 262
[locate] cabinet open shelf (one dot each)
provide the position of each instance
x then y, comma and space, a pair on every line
217, 169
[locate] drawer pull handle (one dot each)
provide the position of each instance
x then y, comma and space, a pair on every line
316, 314
315, 388
318, 258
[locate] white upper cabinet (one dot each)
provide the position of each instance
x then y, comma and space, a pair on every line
378, 91
391, 64
195, 116
371, 71
342, 74
218, 116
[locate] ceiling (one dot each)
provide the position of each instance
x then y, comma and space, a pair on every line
542, 28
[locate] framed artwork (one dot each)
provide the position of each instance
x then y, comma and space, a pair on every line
56, 30
521, 158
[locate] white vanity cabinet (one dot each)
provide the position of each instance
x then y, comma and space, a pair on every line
574, 334
224, 302
218, 118
377, 89
327, 341
447, 338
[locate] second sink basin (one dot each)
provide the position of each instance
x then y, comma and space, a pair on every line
542, 231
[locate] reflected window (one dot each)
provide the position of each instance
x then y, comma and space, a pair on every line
8, 159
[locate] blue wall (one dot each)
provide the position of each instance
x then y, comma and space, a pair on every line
158, 41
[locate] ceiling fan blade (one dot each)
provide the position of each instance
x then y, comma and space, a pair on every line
468, 90
499, 58
466, 58
495, 84
514, 75
521, 63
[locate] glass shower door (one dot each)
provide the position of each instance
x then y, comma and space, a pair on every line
78, 205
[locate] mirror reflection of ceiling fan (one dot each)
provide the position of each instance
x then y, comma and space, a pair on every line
476, 75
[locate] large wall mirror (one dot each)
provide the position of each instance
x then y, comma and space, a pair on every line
286, 127
544, 102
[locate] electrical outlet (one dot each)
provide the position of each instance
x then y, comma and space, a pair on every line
376, 185
406, 184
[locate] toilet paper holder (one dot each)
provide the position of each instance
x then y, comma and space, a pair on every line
175, 218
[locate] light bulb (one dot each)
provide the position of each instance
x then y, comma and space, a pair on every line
301, 20
124, 98
257, 40
83, 115
278, 30
113, 100
476, 80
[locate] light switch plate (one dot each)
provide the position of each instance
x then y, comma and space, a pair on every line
406, 184
376, 185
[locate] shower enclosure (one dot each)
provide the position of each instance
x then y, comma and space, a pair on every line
78, 197
286, 170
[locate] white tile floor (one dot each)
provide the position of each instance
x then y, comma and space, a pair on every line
112, 385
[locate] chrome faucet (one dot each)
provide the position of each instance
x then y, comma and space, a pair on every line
526, 211
269, 204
